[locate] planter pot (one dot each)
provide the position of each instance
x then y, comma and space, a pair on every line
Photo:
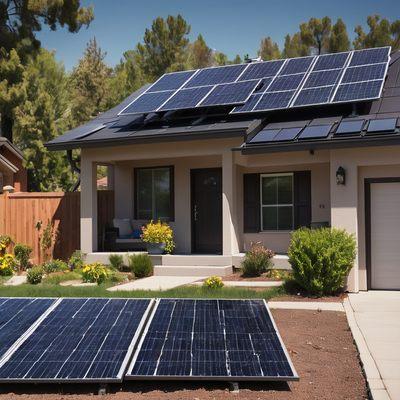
155, 248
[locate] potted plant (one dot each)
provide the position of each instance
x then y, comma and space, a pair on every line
159, 237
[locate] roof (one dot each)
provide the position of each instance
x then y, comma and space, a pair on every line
109, 129
4, 142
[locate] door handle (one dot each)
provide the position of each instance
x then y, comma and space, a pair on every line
195, 212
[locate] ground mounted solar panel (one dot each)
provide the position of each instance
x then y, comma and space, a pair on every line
85, 340
212, 340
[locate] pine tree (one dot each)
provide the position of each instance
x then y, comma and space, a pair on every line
339, 39
269, 50
294, 47
220, 59
200, 55
315, 34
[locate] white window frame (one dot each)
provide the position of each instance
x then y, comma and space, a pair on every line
262, 206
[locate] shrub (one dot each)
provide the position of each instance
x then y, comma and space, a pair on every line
257, 260
22, 253
76, 260
159, 232
140, 265
321, 259
54, 266
5, 241
213, 282
116, 261
7, 264
95, 272
34, 275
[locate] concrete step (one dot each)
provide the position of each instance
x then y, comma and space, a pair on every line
196, 260
185, 270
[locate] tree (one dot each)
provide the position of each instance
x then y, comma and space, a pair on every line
164, 46
19, 21
200, 55
220, 58
90, 81
339, 39
237, 59
381, 33
315, 34
269, 50
294, 47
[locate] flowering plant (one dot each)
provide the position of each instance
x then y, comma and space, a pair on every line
7, 264
5, 241
95, 272
213, 282
159, 232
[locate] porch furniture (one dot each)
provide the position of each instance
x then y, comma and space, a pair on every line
123, 235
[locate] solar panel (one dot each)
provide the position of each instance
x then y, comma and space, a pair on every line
286, 82
382, 125
287, 134
322, 78
148, 102
296, 65
263, 86
273, 100
317, 95
370, 56
331, 61
266, 135
364, 73
211, 339
358, 91
186, 98
80, 340
349, 127
172, 81
263, 69
315, 132
17, 316
249, 105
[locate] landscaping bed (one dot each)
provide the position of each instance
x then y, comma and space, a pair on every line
320, 345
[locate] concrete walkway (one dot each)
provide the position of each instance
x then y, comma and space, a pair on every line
16, 280
156, 283
374, 318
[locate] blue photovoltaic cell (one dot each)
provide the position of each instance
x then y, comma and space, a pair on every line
186, 98
262, 87
231, 93
148, 102
286, 82
81, 339
296, 65
259, 70
17, 316
364, 73
219, 339
370, 56
270, 101
322, 78
216, 75
349, 127
287, 134
249, 105
315, 132
266, 135
330, 61
318, 95
382, 125
358, 91
171, 81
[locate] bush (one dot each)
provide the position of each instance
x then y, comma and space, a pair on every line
54, 266
159, 232
140, 265
95, 273
257, 260
34, 275
76, 260
213, 282
7, 264
5, 241
116, 261
321, 259
22, 254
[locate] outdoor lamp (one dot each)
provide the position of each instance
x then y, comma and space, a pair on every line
341, 176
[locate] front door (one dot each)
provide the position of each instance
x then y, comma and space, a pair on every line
206, 193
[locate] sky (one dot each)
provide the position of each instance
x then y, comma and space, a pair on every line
231, 26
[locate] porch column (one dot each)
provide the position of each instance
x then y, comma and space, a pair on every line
344, 203
229, 209
88, 205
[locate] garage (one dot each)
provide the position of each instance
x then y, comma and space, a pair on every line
383, 233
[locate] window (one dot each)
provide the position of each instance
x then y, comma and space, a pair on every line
276, 202
154, 193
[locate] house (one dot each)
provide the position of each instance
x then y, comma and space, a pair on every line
12, 171
225, 180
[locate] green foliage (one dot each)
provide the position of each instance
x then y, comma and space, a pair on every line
57, 278
116, 261
5, 241
140, 265
159, 232
54, 266
200, 55
96, 273
321, 259
34, 275
47, 237
213, 282
22, 253
339, 39
257, 260
76, 260
269, 50
315, 33
7, 264
294, 47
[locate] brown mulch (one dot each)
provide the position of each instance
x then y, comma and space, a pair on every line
237, 276
302, 297
320, 345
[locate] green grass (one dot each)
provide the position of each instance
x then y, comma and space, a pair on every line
57, 278
46, 290
4, 278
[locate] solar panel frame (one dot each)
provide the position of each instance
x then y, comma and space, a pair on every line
381, 126
356, 129
205, 91
129, 376
381, 53
315, 132
377, 85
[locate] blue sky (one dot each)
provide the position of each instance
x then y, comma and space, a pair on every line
231, 26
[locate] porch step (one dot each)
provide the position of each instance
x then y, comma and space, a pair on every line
195, 260
192, 270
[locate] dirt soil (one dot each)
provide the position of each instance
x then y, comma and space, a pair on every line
237, 276
320, 345
330, 299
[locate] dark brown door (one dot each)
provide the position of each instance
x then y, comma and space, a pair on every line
206, 210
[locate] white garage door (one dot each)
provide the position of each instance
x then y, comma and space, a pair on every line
385, 235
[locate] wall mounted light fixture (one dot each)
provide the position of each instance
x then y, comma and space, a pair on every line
341, 176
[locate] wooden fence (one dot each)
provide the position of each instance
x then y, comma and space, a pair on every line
20, 213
